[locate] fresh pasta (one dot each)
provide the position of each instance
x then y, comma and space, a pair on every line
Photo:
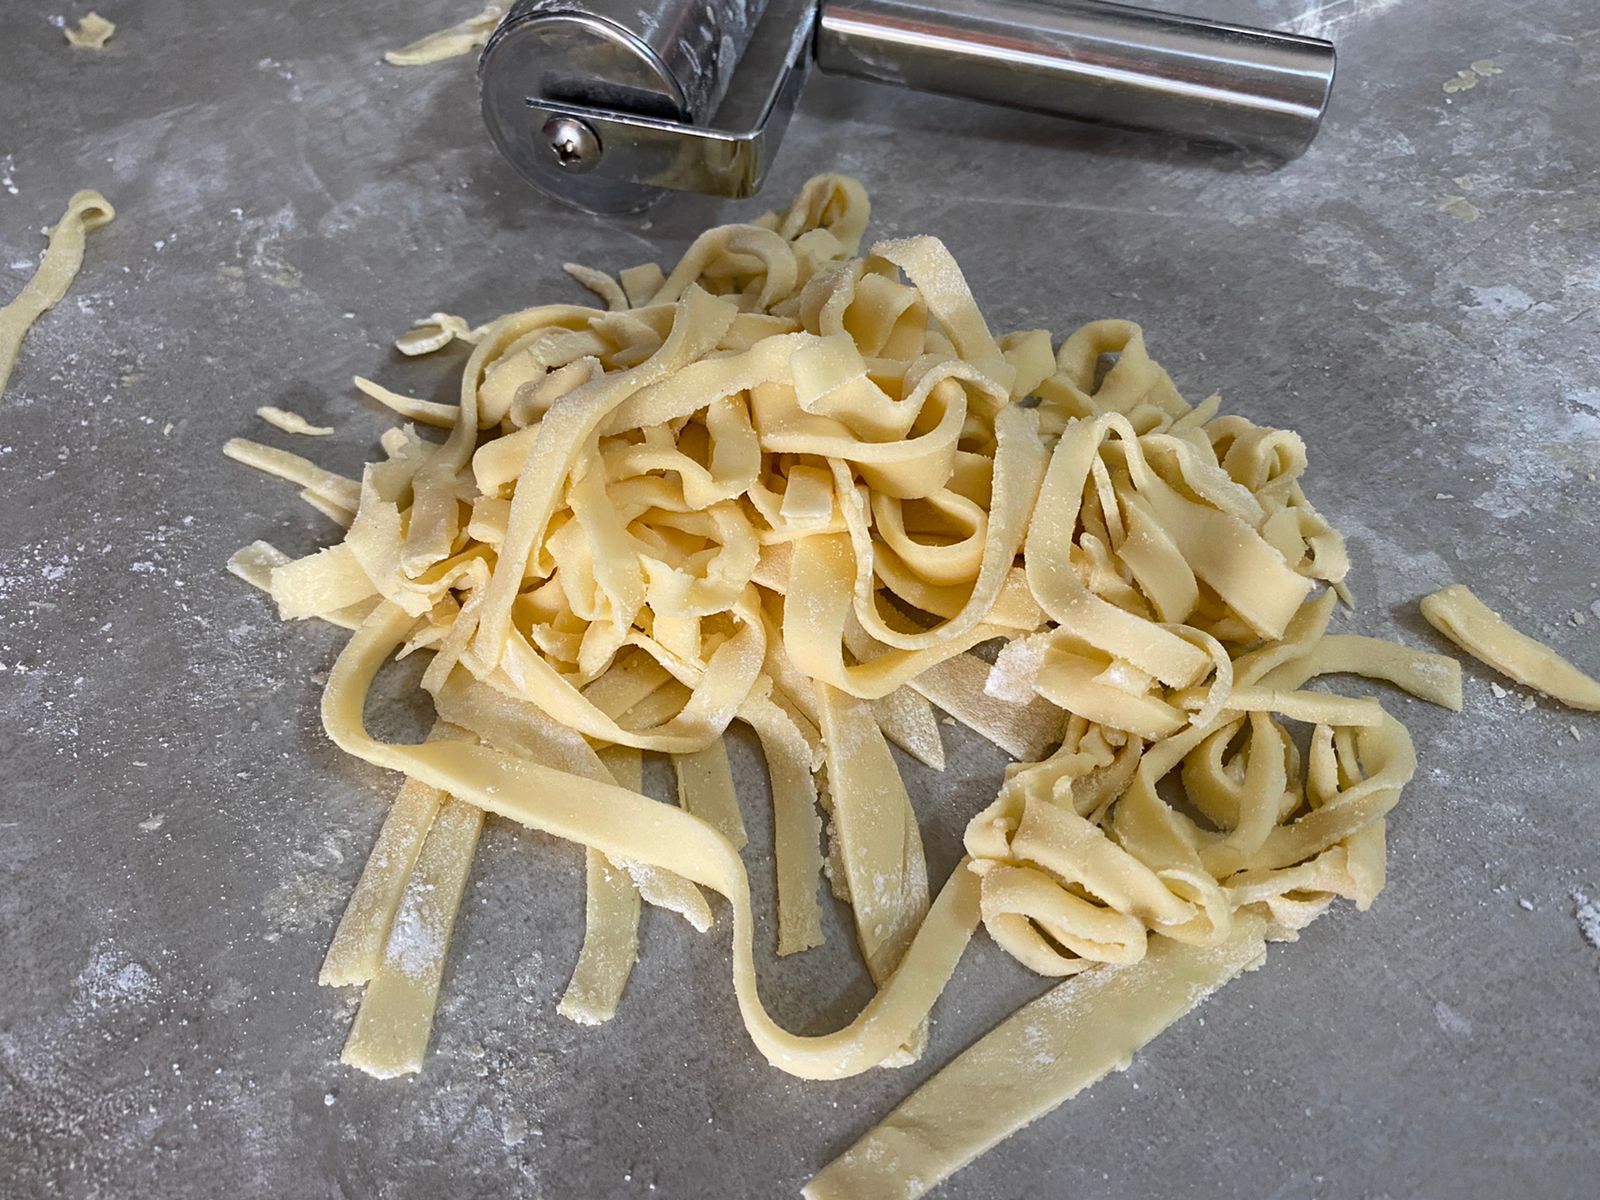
459, 39
1480, 631
291, 422
86, 211
806, 488
91, 33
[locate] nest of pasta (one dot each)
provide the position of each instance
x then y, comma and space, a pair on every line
804, 488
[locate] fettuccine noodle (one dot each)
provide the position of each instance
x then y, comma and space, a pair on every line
793, 485
1480, 631
459, 39
86, 211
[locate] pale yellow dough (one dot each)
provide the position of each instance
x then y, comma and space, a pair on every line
62, 258
91, 33
459, 39
291, 422
809, 489
1483, 633
1043, 1054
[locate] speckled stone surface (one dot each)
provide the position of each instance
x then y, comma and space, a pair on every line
1420, 296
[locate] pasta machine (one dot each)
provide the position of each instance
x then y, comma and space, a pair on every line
606, 103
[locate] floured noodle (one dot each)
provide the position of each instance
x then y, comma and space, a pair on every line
62, 258
1046, 1052
809, 489
459, 39
1480, 631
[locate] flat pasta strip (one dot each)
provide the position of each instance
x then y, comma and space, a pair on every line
457, 40
907, 720
63, 258
705, 788
435, 333
336, 489
425, 411
796, 827
1038, 1058
878, 833
1483, 633
255, 563
356, 952
390, 1034
610, 942
357, 948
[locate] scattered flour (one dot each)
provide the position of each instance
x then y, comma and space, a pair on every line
110, 978
415, 943
1503, 300
1587, 913
1016, 668
1324, 18
1451, 1021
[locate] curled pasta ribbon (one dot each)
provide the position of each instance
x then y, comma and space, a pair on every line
624, 825
86, 211
1101, 851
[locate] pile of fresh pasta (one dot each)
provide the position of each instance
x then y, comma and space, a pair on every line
807, 488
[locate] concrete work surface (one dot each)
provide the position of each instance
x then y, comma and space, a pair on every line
1419, 296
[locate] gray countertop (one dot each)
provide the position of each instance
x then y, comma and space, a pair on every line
1419, 296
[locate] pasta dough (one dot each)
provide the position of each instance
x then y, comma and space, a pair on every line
459, 39
1480, 631
291, 422
802, 487
1043, 1054
62, 258
91, 33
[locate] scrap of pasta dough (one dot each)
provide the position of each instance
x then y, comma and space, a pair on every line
436, 332
291, 422
453, 42
62, 258
1480, 631
91, 33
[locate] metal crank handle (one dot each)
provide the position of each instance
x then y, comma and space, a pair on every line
1108, 63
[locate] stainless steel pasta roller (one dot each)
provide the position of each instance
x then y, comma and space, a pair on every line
606, 103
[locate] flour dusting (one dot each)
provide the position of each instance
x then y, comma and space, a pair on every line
1451, 1021
1587, 913
1324, 18
416, 944
110, 978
